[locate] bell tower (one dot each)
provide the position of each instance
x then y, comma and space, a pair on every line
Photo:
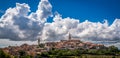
69, 36
38, 41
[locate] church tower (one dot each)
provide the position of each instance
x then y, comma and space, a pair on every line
38, 41
69, 36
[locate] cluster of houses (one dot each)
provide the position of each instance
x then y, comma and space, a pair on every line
28, 49
33, 50
73, 44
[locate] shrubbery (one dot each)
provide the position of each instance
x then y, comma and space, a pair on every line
112, 50
4, 55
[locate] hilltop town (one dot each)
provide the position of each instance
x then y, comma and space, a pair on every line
70, 44
73, 44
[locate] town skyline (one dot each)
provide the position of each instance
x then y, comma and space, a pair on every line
39, 48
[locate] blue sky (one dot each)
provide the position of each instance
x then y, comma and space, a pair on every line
92, 10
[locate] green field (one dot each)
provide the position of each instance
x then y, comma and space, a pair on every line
91, 56
98, 56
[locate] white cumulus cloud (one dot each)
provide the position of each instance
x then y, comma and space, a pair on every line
86, 30
16, 24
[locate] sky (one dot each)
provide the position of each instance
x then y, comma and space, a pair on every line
92, 10
51, 20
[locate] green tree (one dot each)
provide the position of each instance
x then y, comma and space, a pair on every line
113, 50
27, 56
22, 54
4, 55
45, 54
41, 45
